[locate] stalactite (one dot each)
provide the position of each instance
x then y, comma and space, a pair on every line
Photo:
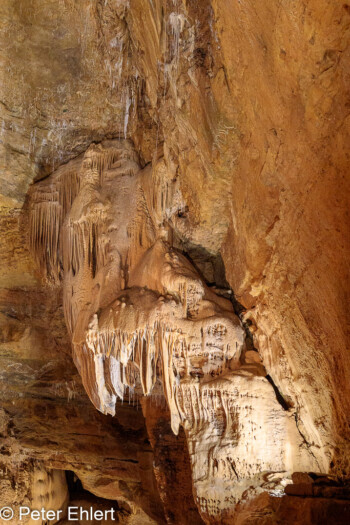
69, 189
142, 321
45, 224
50, 202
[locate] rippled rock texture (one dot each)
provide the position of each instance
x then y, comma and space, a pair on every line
174, 217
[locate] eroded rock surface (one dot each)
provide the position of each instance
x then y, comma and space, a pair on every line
142, 321
219, 134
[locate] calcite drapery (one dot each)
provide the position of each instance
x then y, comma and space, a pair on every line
141, 318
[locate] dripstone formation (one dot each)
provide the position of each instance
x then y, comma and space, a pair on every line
143, 322
174, 246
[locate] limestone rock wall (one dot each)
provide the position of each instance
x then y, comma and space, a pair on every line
236, 113
142, 322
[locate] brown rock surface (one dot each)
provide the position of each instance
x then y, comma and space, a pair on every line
143, 322
47, 419
241, 109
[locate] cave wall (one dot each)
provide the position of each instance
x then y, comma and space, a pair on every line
142, 322
246, 104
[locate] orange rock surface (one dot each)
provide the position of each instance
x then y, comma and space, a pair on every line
197, 150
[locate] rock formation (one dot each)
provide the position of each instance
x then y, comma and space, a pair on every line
174, 217
143, 322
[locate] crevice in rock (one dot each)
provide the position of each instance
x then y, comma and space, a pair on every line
305, 442
282, 401
239, 310
83, 499
209, 266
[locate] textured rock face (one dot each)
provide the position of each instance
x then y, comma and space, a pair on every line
224, 128
138, 312
48, 423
